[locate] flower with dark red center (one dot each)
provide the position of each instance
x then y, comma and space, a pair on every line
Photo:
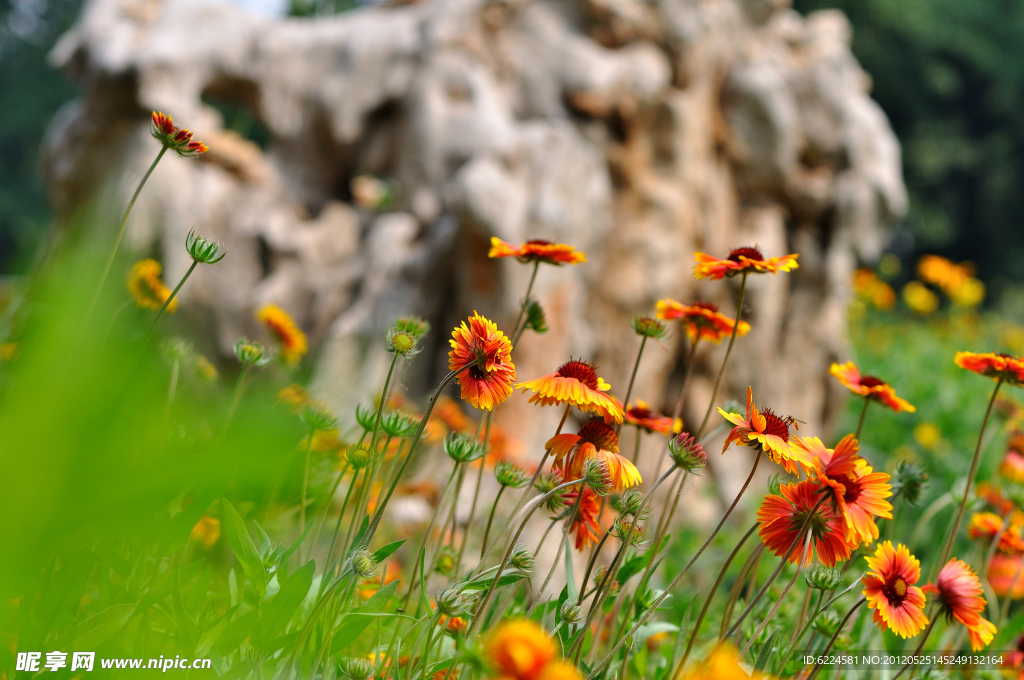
741, 261
869, 387
488, 354
577, 383
702, 320
996, 366
644, 416
768, 431
595, 440
787, 518
178, 139
537, 250
889, 589
858, 493
960, 597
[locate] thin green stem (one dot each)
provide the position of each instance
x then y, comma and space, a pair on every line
832, 640
305, 483
566, 525
917, 652
236, 394
636, 445
863, 414
781, 597
632, 376
170, 297
686, 381
590, 564
421, 551
516, 331
725, 361
490, 520
807, 624
327, 509
1005, 611
476, 490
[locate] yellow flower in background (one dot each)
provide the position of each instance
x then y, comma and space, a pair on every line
969, 294
146, 286
291, 337
873, 290
919, 298
927, 435
723, 664
956, 280
206, 531
205, 370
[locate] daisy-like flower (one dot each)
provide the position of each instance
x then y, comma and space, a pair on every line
702, 320
870, 387
996, 366
596, 439
768, 431
859, 493
960, 596
643, 416
889, 589
178, 139
521, 650
989, 525
146, 286
741, 261
488, 353
288, 334
1005, 575
783, 519
537, 251
586, 524
577, 383
1012, 467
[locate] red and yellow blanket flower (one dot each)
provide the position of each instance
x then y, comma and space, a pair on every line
596, 439
286, 331
702, 320
1003, 367
586, 525
521, 650
989, 525
889, 589
488, 354
577, 383
741, 261
959, 592
858, 492
787, 518
870, 387
178, 139
537, 250
644, 416
146, 286
765, 430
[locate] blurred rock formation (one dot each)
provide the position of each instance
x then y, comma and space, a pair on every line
639, 131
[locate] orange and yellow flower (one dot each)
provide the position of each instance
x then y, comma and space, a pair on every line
787, 518
521, 650
488, 354
146, 286
768, 431
206, 531
596, 439
870, 387
537, 251
295, 396
577, 383
644, 416
889, 589
586, 525
1005, 573
289, 335
960, 596
859, 493
723, 664
178, 139
996, 366
741, 261
1012, 467
990, 525
702, 320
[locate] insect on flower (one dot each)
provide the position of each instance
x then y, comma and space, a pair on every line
768, 431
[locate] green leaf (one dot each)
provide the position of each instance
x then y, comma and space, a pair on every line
283, 606
353, 624
766, 651
245, 549
95, 630
209, 638
632, 566
59, 604
295, 546
236, 631
484, 584
386, 551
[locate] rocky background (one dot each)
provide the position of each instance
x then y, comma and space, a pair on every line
638, 131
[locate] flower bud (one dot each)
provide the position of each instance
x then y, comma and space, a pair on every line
445, 564
317, 417
366, 417
402, 343
359, 457
509, 474
630, 502
522, 558
623, 529
463, 448
399, 425
571, 612
909, 481
599, 578
536, 320
824, 578
826, 622
252, 353
597, 476
687, 453
356, 669
647, 327
364, 564
775, 483
451, 602
547, 482
203, 250
413, 325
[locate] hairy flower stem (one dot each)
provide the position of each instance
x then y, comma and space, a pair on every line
337, 530
382, 404
863, 414
948, 545
521, 319
917, 652
678, 577
782, 596
993, 601
832, 640
707, 601
590, 565
490, 520
686, 380
748, 570
566, 525
632, 378
363, 499
120, 231
476, 491
170, 297
725, 361
305, 485
421, 551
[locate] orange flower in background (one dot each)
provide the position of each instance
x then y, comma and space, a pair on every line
537, 251
586, 525
1005, 571
994, 497
1012, 467
521, 650
782, 519
996, 366
453, 625
870, 387
701, 320
723, 664
768, 431
488, 353
959, 593
178, 139
859, 492
741, 261
206, 531
869, 287
577, 383
146, 286
291, 338
448, 412
890, 590
989, 525
643, 416
596, 439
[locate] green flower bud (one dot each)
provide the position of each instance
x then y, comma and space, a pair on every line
252, 353
547, 482
401, 343
366, 417
687, 453
445, 564
317, 417
356, 669
359, 457
597, 476
364, 564
413, 325
824, 578
775, 483
623, 530
536, 321
648, 327
398, 424
522, 558
509, 474
599, 577
909, 481
203, 250
826, 622
571, 612
463, 448
451, 602
630, 502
